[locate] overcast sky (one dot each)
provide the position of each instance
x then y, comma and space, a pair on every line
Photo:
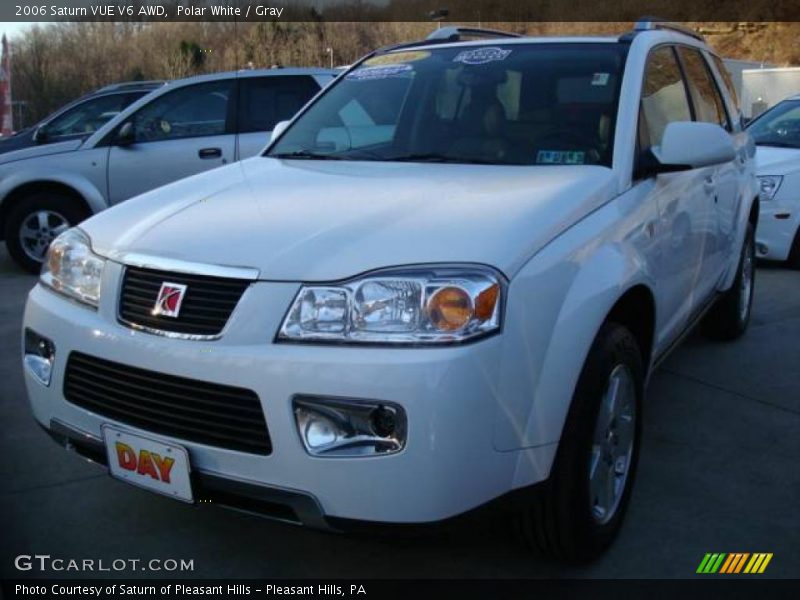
11, 29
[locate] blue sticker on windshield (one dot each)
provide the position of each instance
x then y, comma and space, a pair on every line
378, 72
561, 157
481, 56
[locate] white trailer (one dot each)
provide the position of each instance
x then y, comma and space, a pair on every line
736, 67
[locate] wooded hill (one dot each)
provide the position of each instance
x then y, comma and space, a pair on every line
54, 63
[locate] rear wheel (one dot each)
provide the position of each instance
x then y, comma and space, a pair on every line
729, 318
579, 510
34, 222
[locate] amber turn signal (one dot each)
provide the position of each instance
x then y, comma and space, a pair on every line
486, 301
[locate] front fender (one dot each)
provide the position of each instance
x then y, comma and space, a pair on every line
742, 218
556, 305
90, 186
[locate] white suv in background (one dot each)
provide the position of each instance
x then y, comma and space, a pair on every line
183, 128
777, 135
446, 282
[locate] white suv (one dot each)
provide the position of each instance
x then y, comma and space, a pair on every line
446, 282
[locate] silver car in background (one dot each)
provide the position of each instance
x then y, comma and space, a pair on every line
181, 129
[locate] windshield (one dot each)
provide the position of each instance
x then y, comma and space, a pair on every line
532, 104
779, 126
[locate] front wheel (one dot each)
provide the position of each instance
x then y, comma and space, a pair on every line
794, 255
730, 316
579, 510
34, 222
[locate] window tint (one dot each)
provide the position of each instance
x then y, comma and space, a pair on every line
537, 104
728, 81
265, 101
87, 117
708, 105
664, 96
191, 111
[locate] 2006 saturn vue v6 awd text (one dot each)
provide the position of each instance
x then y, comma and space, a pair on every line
446, 280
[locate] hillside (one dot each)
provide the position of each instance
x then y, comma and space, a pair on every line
55, 63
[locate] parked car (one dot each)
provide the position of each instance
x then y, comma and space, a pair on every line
80, 118
183, 128
445, 283
777, 134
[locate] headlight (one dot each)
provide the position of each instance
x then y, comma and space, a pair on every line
435, 305
769, 185
72, 268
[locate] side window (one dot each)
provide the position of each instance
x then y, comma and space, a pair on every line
265, 101
192, 111
708, 105
663, 96
87, 117
728, 81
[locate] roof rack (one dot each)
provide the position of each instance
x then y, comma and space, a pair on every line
129, 85
652, 23
445, 35
455, 34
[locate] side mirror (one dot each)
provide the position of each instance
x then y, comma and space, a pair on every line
279, 128
690, 145
40, 135
125, 136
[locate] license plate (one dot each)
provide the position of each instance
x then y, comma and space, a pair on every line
148, 463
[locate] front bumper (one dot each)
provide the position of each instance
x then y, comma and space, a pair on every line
282, 505
448, 466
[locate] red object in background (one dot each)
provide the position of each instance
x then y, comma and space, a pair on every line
6, 116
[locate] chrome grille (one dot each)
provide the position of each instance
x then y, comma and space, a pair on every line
207, 304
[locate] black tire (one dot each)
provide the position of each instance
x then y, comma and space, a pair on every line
729, 318
61, 206
793, 261
557, 518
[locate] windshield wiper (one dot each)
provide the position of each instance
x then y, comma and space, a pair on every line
306, 155
433, 157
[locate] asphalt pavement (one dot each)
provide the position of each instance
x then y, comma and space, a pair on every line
718, 473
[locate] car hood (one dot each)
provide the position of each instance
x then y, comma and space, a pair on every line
777, 161
20, 139
302, 220
40, 150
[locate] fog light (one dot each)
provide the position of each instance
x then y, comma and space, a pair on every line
39, 355
339, 427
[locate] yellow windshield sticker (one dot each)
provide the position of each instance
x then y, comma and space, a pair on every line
394, 58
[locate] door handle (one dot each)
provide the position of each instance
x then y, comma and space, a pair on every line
205, 153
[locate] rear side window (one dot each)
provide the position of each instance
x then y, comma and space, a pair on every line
265, 101
708, 105
664, 95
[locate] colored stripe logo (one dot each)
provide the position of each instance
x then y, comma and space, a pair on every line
734, 563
